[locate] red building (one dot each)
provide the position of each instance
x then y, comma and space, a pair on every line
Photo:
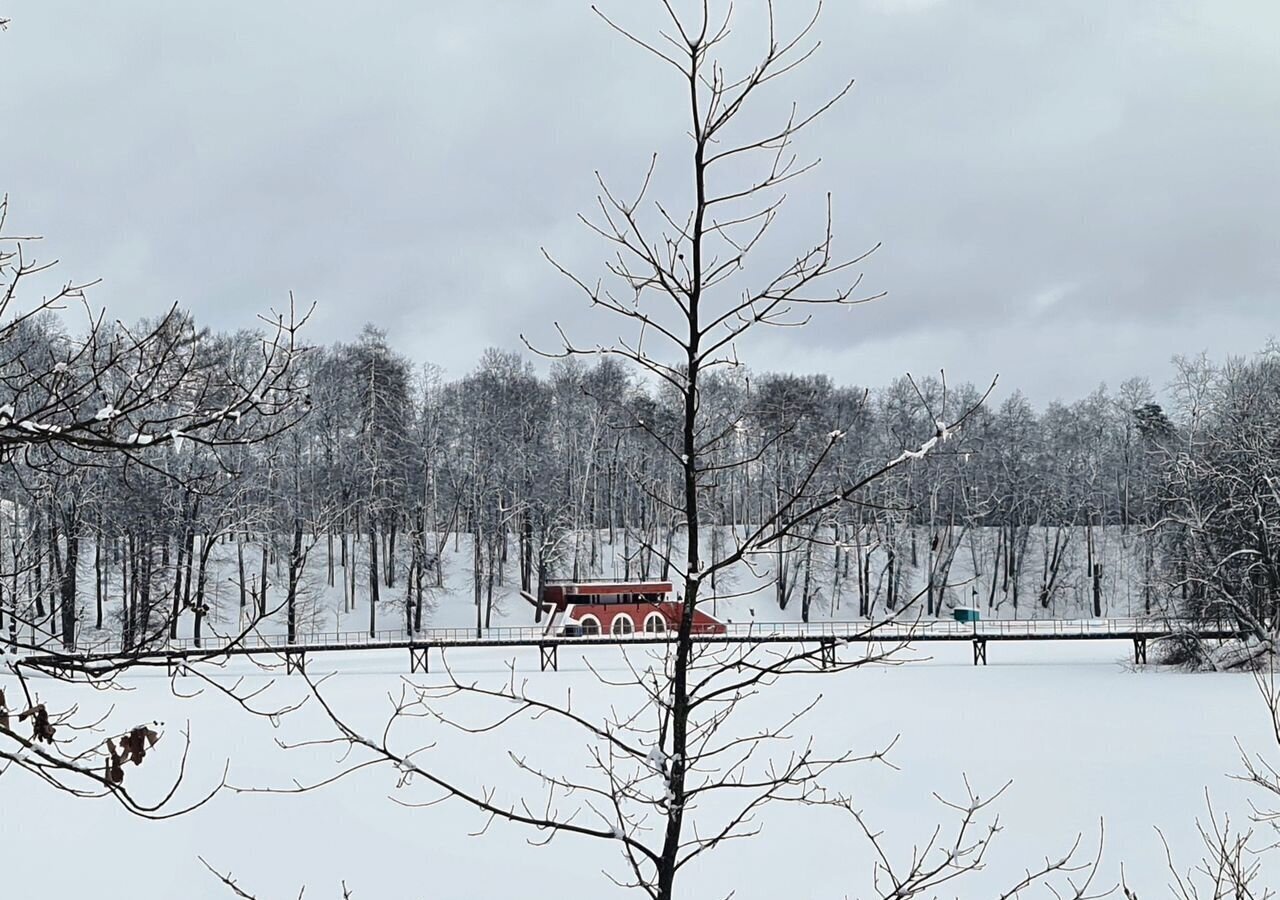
620, 608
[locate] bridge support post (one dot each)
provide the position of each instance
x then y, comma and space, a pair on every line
295, 661
418, 661
548, 657
1139, 651
827, 653
979, 651
173, 666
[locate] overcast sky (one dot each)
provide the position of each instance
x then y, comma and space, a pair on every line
1065, 193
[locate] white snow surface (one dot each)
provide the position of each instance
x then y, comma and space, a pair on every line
1082, 735
747, 593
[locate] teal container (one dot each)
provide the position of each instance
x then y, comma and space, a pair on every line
965, 614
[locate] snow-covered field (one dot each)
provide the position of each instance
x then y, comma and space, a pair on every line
747, 593
1082, 736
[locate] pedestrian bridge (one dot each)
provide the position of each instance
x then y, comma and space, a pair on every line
827, 636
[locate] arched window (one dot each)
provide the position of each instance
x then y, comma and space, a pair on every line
623, 624
655, 623
589, 625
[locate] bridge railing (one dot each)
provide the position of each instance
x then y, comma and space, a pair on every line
890, 630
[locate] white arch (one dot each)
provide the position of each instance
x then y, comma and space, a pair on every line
623, 624
589, 624
655, 623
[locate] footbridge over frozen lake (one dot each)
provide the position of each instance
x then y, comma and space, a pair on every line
826, 636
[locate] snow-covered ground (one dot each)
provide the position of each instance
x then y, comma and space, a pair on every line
1083, 737
746, 593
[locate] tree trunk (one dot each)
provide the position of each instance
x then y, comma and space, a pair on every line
243, 580
144, 588
526, 553
475, 581
202, 577
488, 603
805, 597
995, 567
38, 543
126, 594
177, 576
68, 600
296, 562
329, 555
191, 555
97, 577
262, 585
374, 596
391, 553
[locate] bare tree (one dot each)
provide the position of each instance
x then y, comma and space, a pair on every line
117, 389
124, 401
677, 278
948, 856
654, 766
1220, 507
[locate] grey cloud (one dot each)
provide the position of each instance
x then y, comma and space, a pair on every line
1066, 193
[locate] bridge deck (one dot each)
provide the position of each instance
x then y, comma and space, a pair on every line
827, 633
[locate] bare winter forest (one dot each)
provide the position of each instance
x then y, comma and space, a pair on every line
1108, 505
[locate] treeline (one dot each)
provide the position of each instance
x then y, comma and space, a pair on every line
542, 470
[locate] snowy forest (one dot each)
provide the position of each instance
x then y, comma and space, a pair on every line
393, 485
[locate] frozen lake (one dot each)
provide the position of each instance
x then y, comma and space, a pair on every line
1082, 736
